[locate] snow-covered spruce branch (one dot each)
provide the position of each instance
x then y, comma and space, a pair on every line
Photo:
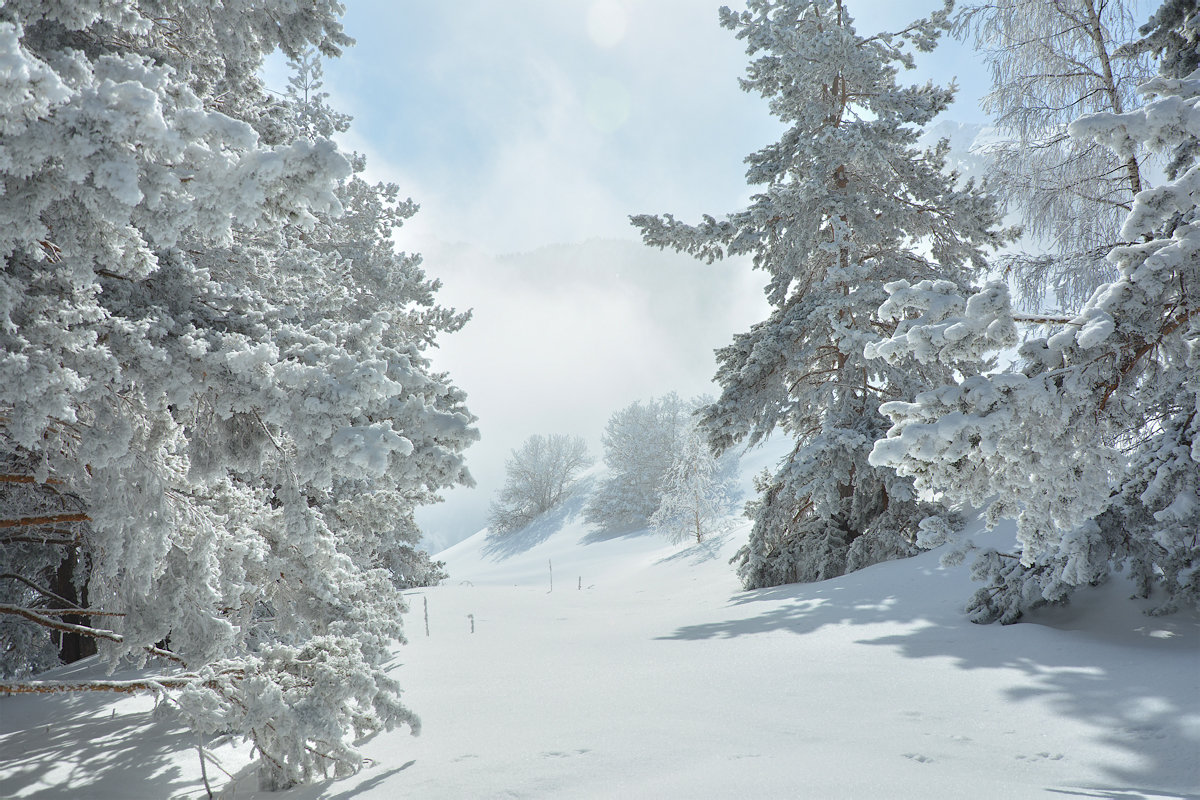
1134, 355
1048, 319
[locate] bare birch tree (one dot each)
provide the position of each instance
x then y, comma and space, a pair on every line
1051, 62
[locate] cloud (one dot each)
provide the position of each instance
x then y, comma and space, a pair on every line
536, 122
540, 121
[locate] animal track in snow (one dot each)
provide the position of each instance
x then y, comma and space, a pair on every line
561, 754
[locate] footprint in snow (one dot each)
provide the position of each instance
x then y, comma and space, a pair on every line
560, 754
920, 759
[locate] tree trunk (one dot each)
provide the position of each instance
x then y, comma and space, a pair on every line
72, 646
1096, 30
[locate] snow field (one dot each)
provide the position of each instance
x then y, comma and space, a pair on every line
661, 679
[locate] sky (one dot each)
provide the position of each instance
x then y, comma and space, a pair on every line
529, 131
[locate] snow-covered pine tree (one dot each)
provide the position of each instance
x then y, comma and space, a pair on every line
1093, 445
214, 411
641, 441
847, 204
1050, 63
371, 280
695, 495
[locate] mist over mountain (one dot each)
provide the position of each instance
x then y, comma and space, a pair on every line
607, 321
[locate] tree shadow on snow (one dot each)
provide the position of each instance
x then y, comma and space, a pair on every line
369, 780
710, 549
1143, 697
609, 532
1122, 794
94, 752
499, 546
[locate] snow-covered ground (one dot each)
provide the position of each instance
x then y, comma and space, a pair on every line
646, 673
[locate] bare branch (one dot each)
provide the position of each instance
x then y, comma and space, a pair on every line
83, 630
123, 687
53, 519
58, 612
28, 479
43, 592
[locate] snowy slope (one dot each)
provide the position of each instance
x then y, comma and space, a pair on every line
659, 678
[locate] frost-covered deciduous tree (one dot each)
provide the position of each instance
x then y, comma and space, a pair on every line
216, 410
1093, 444
695, 494
846, 204
1050, 63
538, 476
641, 441
643, 444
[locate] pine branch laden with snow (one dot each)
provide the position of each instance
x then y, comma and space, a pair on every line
1051, 62
846, 204
216, 410
1093, 445
1172, 35
538, 476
